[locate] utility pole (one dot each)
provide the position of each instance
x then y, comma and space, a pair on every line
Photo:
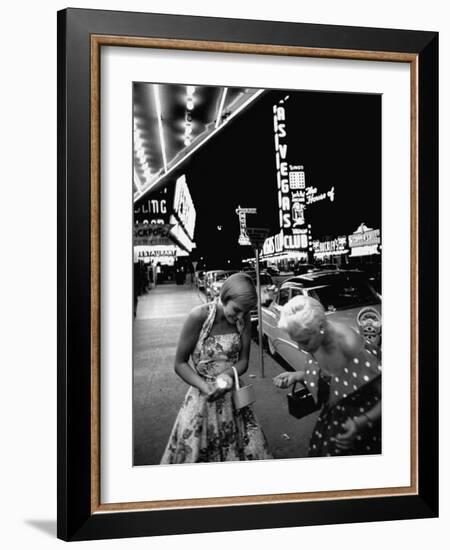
257, 236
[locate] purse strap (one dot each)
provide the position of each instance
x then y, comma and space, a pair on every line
236, 378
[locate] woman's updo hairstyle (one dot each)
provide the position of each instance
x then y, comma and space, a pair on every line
301, 315
241, 288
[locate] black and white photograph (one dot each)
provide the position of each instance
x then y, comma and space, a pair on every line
257, 327
225, 276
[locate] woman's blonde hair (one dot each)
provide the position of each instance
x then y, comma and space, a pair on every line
241, 288
301, 315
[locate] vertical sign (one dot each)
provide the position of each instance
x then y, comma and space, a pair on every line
297, 188
242, 213
290, 178
281, 147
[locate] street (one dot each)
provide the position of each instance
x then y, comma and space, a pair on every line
158, 391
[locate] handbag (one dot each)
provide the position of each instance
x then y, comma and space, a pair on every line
301, 402
242, 397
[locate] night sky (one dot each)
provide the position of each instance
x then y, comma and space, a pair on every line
335, 136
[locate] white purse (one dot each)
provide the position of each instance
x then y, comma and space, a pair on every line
242, 397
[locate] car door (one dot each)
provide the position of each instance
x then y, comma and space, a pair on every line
271, 315
267, 286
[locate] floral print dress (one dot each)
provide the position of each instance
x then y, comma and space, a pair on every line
216, 431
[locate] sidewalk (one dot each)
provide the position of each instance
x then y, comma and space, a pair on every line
288, 437
158, 391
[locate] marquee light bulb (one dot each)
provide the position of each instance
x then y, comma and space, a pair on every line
141, 154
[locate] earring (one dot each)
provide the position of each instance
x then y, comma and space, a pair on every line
321, 331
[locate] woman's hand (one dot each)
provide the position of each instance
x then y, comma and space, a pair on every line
222, 384
344, 440
286, 379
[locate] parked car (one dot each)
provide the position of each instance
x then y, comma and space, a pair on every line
304, 268
272, 270
373, 272
208, 280
268, 289
215, 281
327, 267
347, 296
199, 279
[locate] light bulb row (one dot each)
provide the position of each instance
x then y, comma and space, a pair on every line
140, 151
190, 93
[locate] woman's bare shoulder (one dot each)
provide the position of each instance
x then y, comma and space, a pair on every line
198, 314
350, 341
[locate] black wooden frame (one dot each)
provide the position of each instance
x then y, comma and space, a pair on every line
75, 519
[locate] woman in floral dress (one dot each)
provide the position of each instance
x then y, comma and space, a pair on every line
341, 372
216, 336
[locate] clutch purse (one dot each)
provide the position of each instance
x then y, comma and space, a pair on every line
242, 397
301, 402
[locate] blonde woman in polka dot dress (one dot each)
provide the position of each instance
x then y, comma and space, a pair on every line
342, 373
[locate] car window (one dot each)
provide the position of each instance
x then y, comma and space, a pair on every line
296, 292
265, 279
283, 296
346, 295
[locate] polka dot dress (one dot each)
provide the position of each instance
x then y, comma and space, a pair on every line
351, 392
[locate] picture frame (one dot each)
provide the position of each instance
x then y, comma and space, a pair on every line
81, 35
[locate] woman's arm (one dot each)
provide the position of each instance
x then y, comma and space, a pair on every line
186, 345
286, 379
360, 423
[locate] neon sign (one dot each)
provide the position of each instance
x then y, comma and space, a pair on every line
364, 241
151, 234
330, 248
364, 236
180, 235
290, 179
281, 242
183, 206
242, 213
312, 196
152, 206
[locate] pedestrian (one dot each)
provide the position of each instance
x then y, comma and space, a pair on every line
150, 275
216, 336
343, 373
